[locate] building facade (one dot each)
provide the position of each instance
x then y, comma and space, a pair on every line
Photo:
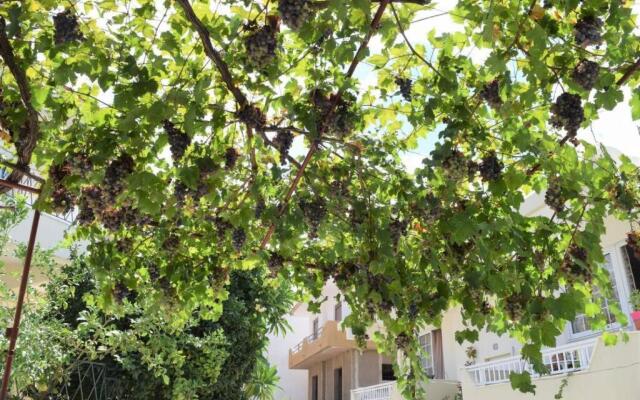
580, 366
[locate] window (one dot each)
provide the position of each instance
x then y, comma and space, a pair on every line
582, 324
387, 372
316, 329
337, 311
426, 343
631, 268
337, 384
314, 387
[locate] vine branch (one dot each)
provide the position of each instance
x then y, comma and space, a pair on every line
29, 136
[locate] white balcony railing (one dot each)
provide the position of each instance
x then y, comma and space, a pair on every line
382, 391
558, 360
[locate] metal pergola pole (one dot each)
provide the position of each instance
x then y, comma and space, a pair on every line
12, 332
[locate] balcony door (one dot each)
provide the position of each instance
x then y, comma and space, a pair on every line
316, 329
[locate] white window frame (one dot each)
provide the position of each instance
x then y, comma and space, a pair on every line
426, 359
618, 280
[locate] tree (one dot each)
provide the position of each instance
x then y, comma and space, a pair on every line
62, 326
170, 125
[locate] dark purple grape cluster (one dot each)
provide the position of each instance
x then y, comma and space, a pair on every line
117, 171
585, 74
567, 113
66, 27
63, 200
238, 237
314, 211
230, 158
181, 191
339, 188
633, 241
124, 245
261, 46
283, 141
403, 341
455, 165
405, 85
252, 116
397, 229
114, 218
491, 168
575, 265
554, 197
294, 13
171, 243
121, 292
335, 114
221, 225
260, 207
491, 94
80, 164
178, 140
154, 273
587, 31
86, 215
275, 262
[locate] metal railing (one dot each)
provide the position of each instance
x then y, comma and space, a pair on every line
382, 391
309, 339
31, 197
558, 360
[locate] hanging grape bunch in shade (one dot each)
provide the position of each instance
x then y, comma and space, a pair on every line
66, 27
62, 200
575, 265
260, 207
587, 31
261, 46
121, 292
491, 94
238, 237
554, 197
295, 13
585, 74
491, 168
334, 113
456, 165
178, 140
230, 158
275, 262
567, 113
252, 116
314, 212
116, 173
633, 241
283, 142
515, 305
405, 85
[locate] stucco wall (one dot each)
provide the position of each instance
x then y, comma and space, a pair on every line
325, 372
293, 382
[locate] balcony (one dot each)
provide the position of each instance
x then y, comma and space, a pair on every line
326, 343
588, 369
435, 389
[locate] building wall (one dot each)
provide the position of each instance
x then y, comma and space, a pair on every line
293, 382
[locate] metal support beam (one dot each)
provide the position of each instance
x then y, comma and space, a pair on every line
13, 331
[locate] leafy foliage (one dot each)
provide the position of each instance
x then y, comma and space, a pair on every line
450, 232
